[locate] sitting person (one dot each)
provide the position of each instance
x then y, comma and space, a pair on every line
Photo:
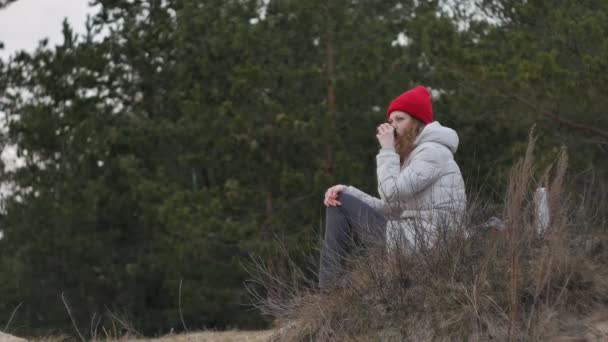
419, 184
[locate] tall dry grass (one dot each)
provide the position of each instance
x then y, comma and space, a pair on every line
532, 281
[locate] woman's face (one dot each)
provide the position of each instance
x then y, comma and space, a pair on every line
407, 128
402, 122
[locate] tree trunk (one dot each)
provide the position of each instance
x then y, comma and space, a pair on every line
331, 101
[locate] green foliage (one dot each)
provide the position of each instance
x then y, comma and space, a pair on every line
197, 132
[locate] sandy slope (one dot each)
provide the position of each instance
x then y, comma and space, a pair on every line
207, 336
216, 336
9, 338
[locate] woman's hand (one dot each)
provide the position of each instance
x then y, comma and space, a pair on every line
386, 135
331, 195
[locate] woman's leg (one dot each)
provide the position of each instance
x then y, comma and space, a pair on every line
343, 224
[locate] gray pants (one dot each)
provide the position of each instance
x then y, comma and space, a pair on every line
345, 226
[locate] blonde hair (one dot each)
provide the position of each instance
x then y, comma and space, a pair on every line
406, 143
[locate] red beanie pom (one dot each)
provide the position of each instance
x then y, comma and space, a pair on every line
415, 102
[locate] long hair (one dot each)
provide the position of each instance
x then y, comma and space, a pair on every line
405, 142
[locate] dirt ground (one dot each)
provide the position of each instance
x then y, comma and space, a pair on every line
215, 336
207, 336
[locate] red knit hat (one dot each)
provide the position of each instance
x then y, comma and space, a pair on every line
415, 102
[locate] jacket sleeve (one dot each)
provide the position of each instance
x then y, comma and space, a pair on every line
395, 184
372, 201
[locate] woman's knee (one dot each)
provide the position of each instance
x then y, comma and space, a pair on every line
349, 201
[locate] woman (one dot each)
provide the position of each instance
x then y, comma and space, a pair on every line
420, 186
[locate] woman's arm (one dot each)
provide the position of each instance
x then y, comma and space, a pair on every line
372, 201
395, 184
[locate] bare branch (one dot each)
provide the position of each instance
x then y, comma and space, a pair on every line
564, 122
11, 318
65, 303
179, 303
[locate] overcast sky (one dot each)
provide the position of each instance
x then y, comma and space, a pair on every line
25, 22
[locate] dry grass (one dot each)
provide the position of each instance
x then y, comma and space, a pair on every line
525, 283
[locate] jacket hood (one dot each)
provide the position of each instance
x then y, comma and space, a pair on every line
436, 133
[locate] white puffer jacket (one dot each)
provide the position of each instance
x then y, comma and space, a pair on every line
424, 194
